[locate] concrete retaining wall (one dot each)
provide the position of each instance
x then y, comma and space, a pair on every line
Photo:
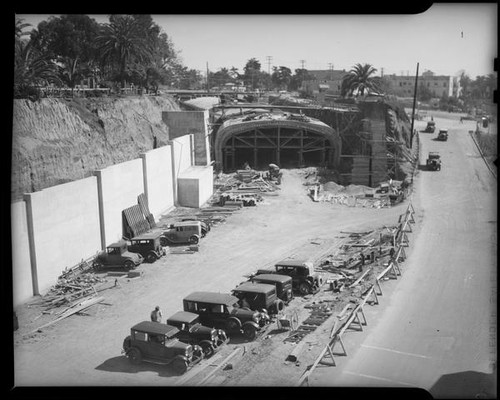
22, 284
60, 226
194, 123
63, 222
195, 186
119, 186
158, 180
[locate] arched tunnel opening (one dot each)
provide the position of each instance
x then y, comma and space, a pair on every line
286, 146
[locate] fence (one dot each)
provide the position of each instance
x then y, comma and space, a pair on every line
356, 318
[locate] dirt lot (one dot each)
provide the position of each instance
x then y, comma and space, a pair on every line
85, 350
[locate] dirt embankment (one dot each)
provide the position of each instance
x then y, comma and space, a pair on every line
60, 140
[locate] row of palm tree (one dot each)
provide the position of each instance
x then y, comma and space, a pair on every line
63, 51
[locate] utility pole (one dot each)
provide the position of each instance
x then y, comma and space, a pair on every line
382, 72
413, 111
269, 58
302, 62
330, 67
207, 79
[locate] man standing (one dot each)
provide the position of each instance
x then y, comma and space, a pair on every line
156, 314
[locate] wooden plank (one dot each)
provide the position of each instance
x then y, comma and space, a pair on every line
82, 306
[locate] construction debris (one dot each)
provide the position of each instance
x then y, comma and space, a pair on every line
70, 289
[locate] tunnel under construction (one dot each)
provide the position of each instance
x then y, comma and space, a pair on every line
365, 143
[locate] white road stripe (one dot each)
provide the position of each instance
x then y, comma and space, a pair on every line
395, 351
379, 378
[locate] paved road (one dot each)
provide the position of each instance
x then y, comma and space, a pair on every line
437, 330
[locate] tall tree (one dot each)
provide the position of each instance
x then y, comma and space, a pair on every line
122, 41
252, 73
359, 80
281, 76
32, 70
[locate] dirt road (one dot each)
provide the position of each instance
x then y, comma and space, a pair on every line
438, 331
86, 349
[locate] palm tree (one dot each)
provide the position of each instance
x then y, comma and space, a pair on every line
32, 70
121, 41
359, 79
19, 28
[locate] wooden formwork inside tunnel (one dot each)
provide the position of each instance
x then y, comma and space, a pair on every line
286, 142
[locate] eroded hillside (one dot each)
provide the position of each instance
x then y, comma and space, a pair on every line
61, 140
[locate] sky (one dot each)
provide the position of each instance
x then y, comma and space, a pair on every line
446, 39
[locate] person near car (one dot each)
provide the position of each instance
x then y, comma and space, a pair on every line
156, 314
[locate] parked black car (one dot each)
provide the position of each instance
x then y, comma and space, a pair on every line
157, 343
283, 284
259, 297
191, 331
148, 246
222, 311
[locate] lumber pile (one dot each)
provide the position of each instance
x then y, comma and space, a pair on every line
70, 289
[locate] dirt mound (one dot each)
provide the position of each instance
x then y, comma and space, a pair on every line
61, 140
333, 187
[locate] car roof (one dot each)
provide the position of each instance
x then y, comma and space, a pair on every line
148, 235
186, 223
212, 297
431, 123
294, 262
120, 243
156, 328
272, 277
183, 316
255, 287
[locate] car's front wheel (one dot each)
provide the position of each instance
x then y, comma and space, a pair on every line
304, 288
194, 239
134, 355
249, 332
129, 265
97, 266
207, 348
180, 366
151, 257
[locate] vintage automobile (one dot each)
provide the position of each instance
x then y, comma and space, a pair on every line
258, 297
182, 232
283, 284
148, 245
117, 255
205, 228
157, 343
443, 135
431, 127
222, 311
191, 331
433, 162
304, 279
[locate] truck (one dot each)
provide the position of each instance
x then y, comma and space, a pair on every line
433, 162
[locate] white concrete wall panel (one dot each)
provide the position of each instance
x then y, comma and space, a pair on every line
182, 149
65, 220
158, 180
120, 186
195, 186
22, 284
182, 123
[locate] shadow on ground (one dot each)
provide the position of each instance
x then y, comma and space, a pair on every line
465, 385
121, 364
